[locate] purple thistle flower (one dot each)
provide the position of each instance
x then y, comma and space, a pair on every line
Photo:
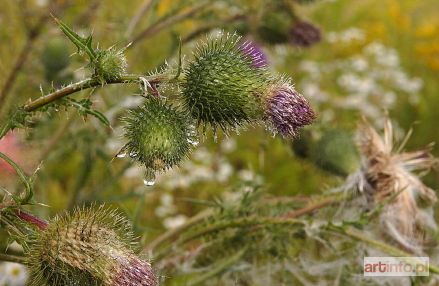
287, 111
134, 272
254, 51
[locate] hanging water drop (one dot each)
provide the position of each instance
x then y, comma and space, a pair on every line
148, 183
149, 179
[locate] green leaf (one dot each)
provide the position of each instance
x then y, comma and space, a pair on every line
84, 107
83, 44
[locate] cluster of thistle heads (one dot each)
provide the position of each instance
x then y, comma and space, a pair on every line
227, 86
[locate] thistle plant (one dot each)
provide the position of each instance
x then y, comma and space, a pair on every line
245, 235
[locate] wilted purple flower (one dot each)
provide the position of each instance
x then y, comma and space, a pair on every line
304, 34
255, 53
134, 272
287, 111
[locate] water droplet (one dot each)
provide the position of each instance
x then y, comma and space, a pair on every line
149, 179
133, 154
194, 142
121, 155
148, 183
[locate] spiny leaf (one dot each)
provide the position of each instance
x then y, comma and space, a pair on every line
85, 107
83, 44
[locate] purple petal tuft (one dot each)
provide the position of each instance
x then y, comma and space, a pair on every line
135, 273
255, 53
288, 111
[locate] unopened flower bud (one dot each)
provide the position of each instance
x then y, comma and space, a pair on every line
160, 135
111, 64
223, 83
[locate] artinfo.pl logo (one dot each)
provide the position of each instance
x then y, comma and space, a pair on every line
396, 266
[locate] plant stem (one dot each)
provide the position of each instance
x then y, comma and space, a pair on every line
85, 84
235, 223
219, 268
32, 219
12, 258
175, 232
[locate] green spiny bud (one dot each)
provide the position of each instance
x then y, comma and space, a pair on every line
160, 135
336, 152
90, 247
223, 85
110, 64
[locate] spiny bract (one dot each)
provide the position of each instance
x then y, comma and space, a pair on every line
91, 247
111, 64
160, 135
223, 86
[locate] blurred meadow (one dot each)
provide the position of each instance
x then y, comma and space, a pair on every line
374, 58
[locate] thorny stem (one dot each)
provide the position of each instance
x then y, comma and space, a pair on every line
175, 232
235, 223
32, 219
32, 34
85, 84
218, 268
12, 258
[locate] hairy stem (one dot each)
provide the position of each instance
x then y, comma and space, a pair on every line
235, 223
12, 258
86, 84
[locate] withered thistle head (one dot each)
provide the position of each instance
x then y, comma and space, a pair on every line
286, 110
390, 172
89, 247
304, 34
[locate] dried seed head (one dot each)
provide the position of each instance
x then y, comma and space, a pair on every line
223, 84
389, 172
287, 110
304, 34
160, 135
90, 247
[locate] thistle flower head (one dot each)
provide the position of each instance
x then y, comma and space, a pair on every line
390, 172
111, 64
223, 83
159, 134
90, 247
287, 110
304, 34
